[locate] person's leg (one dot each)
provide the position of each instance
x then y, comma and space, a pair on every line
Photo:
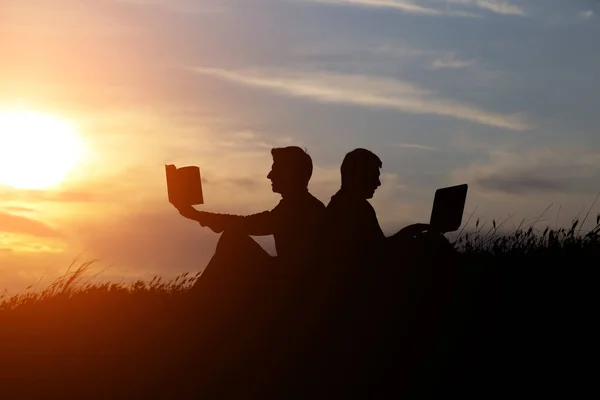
223, 294
226, 306
425, 269
232, 265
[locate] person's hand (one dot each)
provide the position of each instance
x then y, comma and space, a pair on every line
200, 217
414, 230
189, 212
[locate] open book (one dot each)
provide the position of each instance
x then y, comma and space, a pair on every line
184, 185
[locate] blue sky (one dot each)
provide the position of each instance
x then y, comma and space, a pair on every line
500, 94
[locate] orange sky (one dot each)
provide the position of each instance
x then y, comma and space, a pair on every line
216, 83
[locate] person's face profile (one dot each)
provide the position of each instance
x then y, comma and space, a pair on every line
372, 182
276, 177
365, 182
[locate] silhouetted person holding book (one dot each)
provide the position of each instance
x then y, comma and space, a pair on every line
294, 222
243, 283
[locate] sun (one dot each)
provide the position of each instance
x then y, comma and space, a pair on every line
37, 150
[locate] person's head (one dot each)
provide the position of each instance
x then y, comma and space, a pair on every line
360, 173
291, 171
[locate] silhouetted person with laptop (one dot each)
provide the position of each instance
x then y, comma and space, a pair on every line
352, 234
364, 273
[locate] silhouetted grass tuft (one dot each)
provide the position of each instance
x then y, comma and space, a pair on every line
527, 241
72, 286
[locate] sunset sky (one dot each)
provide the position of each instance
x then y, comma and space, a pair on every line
503, 95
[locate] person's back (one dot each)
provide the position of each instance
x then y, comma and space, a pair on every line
351, 231
352, 242
297, 222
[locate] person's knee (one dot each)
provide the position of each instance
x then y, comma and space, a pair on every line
231, 238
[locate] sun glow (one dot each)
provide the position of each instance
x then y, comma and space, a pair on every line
37, 150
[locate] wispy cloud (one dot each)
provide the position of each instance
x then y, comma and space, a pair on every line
29, 196
179, 6
542, 170
452, 62
18, 224
415, 146
587, 14
496, 6
500, 7
411, 7
367, 91
404, 6
407, 7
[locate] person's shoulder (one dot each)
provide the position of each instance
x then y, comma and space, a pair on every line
304, 202
368, 206
344, 208
309, 200
341, 200
335, 200
316, 202
344, 205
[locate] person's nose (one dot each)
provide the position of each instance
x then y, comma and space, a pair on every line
378, 183
270, 175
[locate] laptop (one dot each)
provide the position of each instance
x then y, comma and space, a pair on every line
448, 208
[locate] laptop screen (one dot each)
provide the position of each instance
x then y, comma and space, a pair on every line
448, 208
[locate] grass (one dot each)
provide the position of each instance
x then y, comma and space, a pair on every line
518, 295
529, 240
74, 285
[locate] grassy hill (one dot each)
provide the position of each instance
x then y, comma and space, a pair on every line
516, 318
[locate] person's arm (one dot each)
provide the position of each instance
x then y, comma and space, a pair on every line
410, 231
257, 224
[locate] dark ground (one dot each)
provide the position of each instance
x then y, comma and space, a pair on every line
501, 324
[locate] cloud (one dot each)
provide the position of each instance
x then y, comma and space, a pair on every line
376, 49
542, 171
12, 194
495, 6
587, 14
407, 7
452, 62
500, 7
520, 184
244, 183
178, 6
366, 91
10, 223
403, 6
18, 209
415, 146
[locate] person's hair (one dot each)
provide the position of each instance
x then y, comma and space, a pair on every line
295, 160
357, 163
